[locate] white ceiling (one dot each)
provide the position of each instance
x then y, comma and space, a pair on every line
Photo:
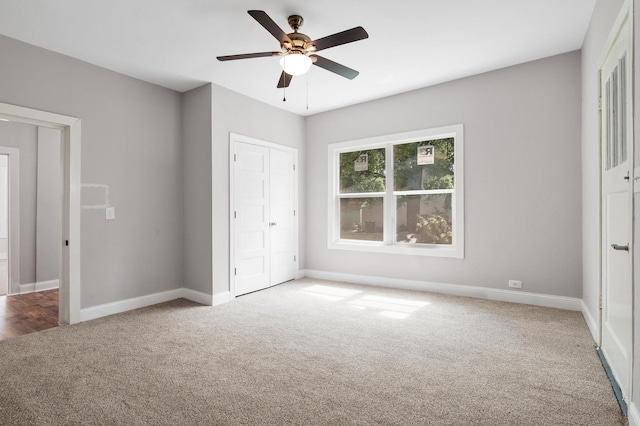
411, 44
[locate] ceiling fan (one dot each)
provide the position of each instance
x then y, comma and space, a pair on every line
298, 50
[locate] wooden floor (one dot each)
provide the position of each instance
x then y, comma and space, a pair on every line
26, 313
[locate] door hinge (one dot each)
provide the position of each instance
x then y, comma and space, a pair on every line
600, 302
294, 212
235, 214
66, 242
599, 104
235, 157
235, 271
294, 167
294, 258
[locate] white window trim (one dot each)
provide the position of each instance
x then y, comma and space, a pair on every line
456, 250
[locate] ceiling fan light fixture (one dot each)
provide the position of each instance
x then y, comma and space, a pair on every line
295, 63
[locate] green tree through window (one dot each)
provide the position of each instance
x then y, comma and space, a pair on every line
409, 175
370, 180
425, 218
398, 192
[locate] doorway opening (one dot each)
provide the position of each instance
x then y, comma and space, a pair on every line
69, 239
4, 225
30, 249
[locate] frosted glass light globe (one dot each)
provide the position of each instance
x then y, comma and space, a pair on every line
295, 63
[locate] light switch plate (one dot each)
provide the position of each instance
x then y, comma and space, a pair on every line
111, 213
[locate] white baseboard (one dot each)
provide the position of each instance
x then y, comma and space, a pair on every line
197, 296
546, 300
299, 274
591, 322
634, 415
26, 288
129, 304
39, 286
94, 312
220, 298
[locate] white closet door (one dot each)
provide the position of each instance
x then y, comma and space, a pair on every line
282, 219
264, 221
251, 181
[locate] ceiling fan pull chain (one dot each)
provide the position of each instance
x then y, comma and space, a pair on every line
284, 79
307, 93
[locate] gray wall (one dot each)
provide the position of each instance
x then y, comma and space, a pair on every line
235, 113
210, 114
25, 138
196, 137
48, 205
131, 141
522, 177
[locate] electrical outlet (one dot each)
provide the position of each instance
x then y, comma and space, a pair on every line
515, 284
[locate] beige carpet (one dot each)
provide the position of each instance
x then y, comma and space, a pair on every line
312, 353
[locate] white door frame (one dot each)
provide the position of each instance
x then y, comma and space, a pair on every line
69, 292
13, 264
625, 14
233, 138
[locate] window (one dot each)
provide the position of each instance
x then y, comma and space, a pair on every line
399, 194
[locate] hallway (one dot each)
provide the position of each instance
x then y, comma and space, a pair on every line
26, 313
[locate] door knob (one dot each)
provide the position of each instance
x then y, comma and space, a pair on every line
272, 224
617, 247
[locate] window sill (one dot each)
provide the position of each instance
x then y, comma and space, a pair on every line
402, 249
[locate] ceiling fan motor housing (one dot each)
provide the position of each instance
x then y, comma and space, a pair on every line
299, 42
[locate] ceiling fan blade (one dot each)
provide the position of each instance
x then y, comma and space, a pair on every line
285, 80
344, 37
335, 67
264, 20
248, 56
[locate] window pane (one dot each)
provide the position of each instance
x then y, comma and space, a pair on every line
424, 219
609, 132
614, 117
623, 107
361, 218
362, 171
423, 165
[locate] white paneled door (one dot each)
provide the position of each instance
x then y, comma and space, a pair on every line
263, 216
617, 204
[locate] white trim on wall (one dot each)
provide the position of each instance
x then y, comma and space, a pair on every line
38, 286
223, 297
546, 300
121, 306
591, 322
634, 415
14, 217
197, 296
129, 304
